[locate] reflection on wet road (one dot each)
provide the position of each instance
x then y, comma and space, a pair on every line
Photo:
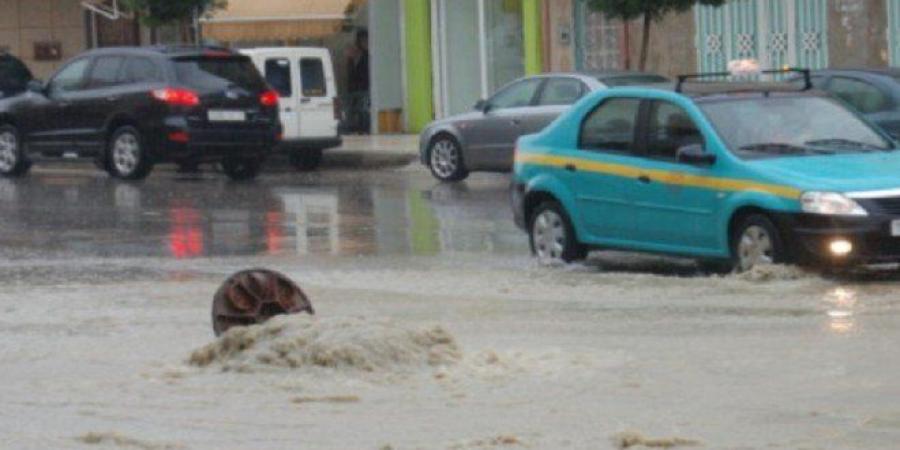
107, 287
341, 214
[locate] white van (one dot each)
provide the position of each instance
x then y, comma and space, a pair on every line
304, 79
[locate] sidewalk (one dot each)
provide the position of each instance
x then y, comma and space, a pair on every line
375, 151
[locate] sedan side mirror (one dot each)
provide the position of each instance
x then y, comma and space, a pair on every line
35, 86
696, 155
483, 106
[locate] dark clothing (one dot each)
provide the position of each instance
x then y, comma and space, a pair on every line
359, 73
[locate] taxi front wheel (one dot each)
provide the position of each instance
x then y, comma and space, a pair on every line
756, 241
552, 235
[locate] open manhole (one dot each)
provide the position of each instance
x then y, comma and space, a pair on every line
254, 296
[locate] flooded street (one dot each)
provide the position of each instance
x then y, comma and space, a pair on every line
107, 289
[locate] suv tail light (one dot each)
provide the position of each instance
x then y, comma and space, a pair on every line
269, 99
177, 96
337, 109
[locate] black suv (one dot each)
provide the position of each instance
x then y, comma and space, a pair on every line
14, 76
130, 108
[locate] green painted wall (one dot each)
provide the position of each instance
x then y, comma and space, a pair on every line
419, 106
531, 34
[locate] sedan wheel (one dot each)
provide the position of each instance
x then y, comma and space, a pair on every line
446, 160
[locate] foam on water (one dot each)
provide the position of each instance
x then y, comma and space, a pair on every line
341, 344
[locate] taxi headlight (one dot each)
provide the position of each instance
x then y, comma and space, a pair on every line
830, 204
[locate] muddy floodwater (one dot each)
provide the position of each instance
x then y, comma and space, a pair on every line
434, 328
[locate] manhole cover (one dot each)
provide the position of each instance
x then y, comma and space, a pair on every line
255, 296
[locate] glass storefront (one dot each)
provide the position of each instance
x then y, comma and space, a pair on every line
476, 48
504, 42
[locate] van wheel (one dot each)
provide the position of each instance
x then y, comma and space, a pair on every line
755, 242
13, 162
306, 160
445, 159
241, 169
126, 156
552, 235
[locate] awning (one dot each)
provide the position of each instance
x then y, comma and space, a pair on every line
266, 20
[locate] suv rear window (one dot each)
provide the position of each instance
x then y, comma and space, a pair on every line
218, 73
312, 77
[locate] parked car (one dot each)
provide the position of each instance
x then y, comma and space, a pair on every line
483, 140
873, 92
739, 175
14, 75
310, 111
130, 108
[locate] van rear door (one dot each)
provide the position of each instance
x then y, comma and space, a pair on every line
281, 76
317, 92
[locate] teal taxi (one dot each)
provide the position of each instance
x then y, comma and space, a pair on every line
737, 174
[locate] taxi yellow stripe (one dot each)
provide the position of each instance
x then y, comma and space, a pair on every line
662, 176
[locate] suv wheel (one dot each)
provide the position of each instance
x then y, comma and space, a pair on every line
553, 237
755, 242
12, 159
445, 159
239, 169
306, 160
126, 158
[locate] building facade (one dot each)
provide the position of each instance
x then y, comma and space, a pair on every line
804, 33
435, 58
42, 33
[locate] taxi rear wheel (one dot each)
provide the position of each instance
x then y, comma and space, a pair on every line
756, 241
552, 235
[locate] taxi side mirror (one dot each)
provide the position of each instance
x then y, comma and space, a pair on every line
695, 154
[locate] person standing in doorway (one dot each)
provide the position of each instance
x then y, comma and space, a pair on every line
358, 119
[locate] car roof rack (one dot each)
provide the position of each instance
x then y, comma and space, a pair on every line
747, 86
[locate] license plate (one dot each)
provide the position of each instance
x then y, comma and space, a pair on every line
216, 115
895, 228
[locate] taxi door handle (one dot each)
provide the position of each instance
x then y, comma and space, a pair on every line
571, 168
515, 122
644, 179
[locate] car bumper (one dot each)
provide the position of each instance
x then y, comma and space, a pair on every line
317, 143
810, 238
210, 145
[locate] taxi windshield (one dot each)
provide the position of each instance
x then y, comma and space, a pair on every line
765, 127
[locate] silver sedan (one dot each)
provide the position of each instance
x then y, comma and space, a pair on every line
484, 139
